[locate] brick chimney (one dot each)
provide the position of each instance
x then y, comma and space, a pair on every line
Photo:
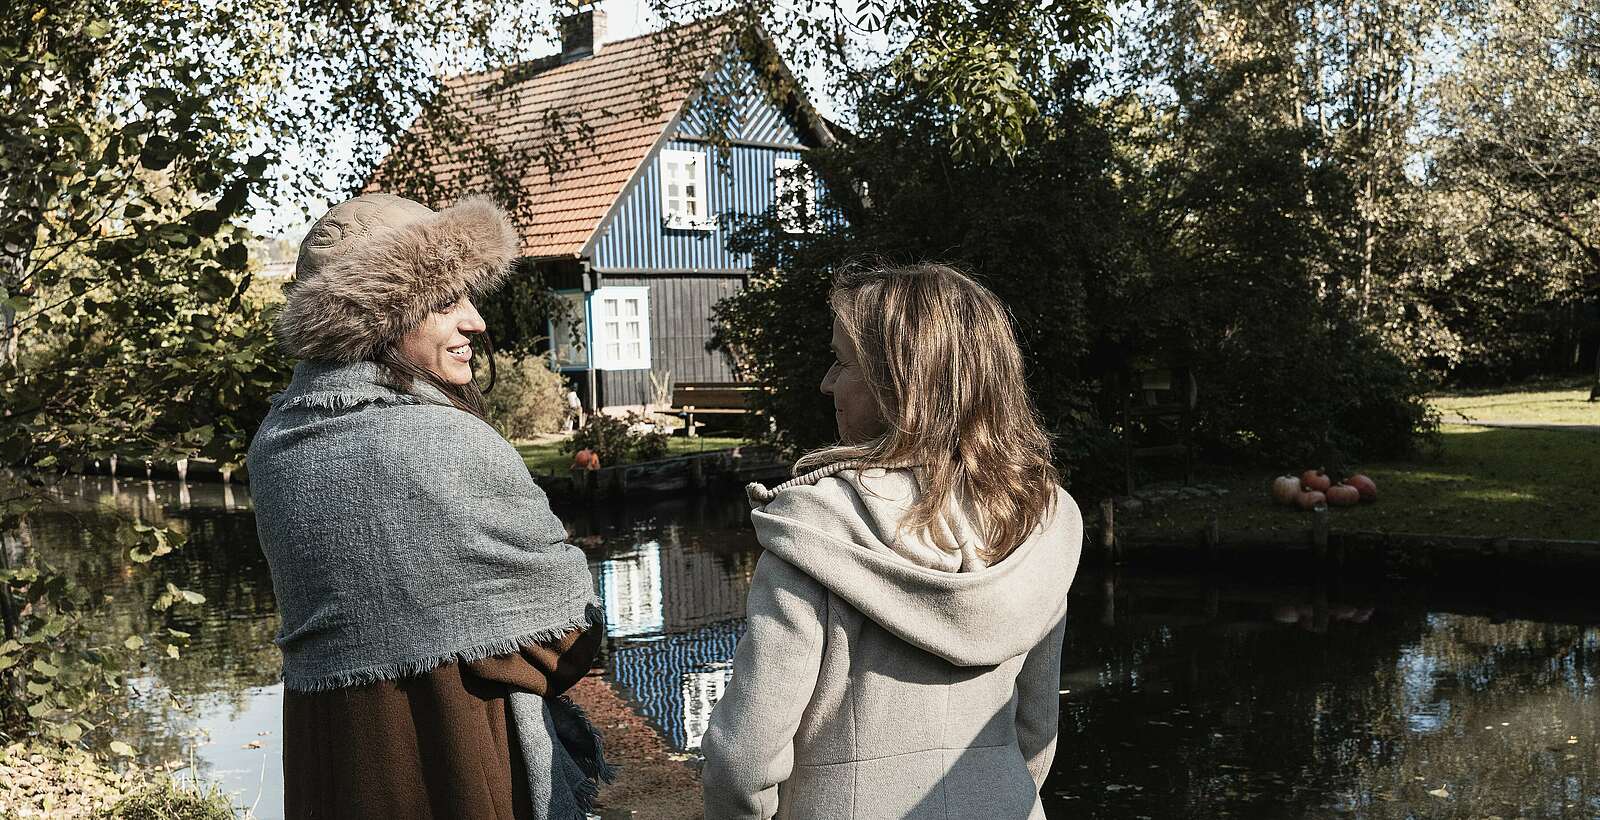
581, 33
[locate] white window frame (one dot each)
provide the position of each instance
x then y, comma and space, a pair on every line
685, 210
785, 180
620, 328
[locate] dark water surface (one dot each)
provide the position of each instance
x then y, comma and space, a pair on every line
1181, 696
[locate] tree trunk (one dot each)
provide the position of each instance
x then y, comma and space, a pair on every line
8, 333
1594, 390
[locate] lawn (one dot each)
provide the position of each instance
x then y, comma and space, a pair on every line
1566, 403
1480, 481
548, 458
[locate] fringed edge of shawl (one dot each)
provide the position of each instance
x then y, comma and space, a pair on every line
590, 615
338, 402
595, 769
598, 768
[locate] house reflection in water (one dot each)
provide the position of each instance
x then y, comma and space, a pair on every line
674, 613
631, 588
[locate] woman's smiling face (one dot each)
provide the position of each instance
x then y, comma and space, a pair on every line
440, 343
855, 411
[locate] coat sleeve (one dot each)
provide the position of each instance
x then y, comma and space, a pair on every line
1039, 703
749, 744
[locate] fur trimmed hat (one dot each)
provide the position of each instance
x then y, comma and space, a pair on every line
374, 267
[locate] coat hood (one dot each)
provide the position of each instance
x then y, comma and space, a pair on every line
841, 525
373, 268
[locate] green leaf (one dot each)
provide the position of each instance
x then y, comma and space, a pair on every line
158, 153
178, 633
45, 668
97, 29
70, 732
193, 597
172, 651
39, 709
120, 748
133, 642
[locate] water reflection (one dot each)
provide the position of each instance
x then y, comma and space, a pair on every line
1182, 696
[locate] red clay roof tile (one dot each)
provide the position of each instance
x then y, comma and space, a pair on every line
572, 135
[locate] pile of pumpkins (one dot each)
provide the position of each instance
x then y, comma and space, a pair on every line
1314, 488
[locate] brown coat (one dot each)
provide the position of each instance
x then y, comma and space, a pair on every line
432, 746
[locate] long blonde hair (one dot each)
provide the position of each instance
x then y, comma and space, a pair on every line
940, 356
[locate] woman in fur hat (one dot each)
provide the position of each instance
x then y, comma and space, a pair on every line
903, 651
432, 613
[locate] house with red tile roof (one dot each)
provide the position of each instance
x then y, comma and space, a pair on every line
626, 165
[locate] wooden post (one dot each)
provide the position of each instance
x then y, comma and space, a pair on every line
1108, 530
1213, 537
227, 475
113, 465
697, 473
1319, 532
1108, 611
1319, 608
183, 469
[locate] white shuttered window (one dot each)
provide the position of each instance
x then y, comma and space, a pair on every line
683, 189
621, 328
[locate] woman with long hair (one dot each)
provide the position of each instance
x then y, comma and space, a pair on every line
903, 650
432, 613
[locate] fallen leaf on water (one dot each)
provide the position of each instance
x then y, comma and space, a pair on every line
254, 744
1440, 792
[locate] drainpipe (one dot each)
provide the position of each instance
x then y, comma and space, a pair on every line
589, 283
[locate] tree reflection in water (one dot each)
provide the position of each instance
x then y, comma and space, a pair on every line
1186, 697
1220, 699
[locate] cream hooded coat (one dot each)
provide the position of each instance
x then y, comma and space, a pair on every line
870, 684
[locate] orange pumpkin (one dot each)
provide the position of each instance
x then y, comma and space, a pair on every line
1310, 500
1343, 495
1366, 486
1316, 480
585, 459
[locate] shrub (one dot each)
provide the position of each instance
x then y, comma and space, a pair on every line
528, 397
169, 800
619, 440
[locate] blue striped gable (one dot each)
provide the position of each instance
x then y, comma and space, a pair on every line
636, 237
755, 118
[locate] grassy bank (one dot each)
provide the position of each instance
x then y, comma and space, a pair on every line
1565, 402
547, 457
45, 780
1480, 481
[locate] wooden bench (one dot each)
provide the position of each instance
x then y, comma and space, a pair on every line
691, 398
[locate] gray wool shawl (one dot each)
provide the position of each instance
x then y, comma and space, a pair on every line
404, 534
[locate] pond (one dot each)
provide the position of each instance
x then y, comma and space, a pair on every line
1182, 696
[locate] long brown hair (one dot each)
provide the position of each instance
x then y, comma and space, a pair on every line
940, 356
403, 373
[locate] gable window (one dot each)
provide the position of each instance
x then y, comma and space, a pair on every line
683, 189
621, 328
795, 193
